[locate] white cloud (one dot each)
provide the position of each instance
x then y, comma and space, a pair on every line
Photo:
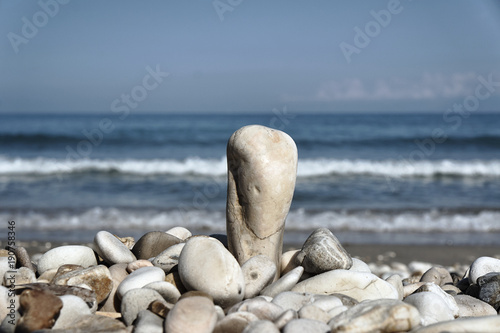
427, 87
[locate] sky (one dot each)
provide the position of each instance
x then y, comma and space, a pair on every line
234, 56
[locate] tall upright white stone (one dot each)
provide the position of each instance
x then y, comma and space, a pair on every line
262, 168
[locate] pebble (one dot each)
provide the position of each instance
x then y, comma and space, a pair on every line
111, 249
482, 266
73, 307
179, 232
148, 322
432, 308
235, 322
293, 300
94, 323
310, 311
381, 315
68, 254
359, 266
98, 278
259, 307
194, 314
167, 290
289, 261
285, 318
206, 265
323, 252
169, 258
396, 281
135, 301
118, 273
22, 256
487, 324
7, 304
360, 286
40, 308
448, 299
472, 307
136, 264
326, 302
258, 271
262, 169
438, 275
19, 276
306, 325
153, 243
261, 326
285, 283
489, 289
139, 279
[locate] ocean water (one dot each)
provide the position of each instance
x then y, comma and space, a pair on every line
384, 178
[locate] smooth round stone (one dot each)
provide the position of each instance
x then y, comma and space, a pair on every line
153, 243
148, 322
437, 275
286, 317
431, 307
169, 258
261, 308
289, 261
489, 289
449, 300
206, 265
285, 283
262, 169
169, 292
192, 314
396, 281
310, 311
5, 265
381, 315
487, 324
137, 300
19, 276
326, 303
469, 306
235, 322
323, 252
135, 265
293, 300
111, 249
140, 278
98, 278
40, 308
306, 325
5, 303
73, 308
482, 266
68, 254
258, 271
179, 232
118, 274
359, 266
360, 286
337, 310
261, 326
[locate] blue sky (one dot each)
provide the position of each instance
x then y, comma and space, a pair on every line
248, 55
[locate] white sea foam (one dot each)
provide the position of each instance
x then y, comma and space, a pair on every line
217, 167
298, 220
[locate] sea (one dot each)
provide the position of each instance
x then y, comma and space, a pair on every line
370, 178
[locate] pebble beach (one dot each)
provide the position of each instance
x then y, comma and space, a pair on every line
247, 279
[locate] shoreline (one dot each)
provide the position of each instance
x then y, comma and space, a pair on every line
445, 255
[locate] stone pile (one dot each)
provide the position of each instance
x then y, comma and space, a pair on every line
172, 281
